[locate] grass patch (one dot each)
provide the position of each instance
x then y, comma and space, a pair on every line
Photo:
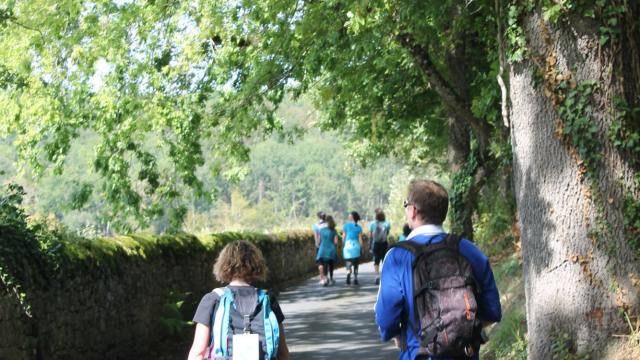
508, 339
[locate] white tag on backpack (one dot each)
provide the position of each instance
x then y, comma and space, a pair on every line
246, 347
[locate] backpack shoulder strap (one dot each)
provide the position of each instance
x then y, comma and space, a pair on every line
408, 245
271, 326
220, 323
452, 241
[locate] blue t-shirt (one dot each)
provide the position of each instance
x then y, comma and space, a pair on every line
352, 230
395, 295
351, 246
327, 249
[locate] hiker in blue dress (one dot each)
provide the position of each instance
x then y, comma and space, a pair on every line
378, 244
452, 325
226, 314
352, 246
327, 254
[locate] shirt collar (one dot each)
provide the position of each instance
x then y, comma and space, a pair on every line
428, 230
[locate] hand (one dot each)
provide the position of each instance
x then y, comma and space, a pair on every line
396, 341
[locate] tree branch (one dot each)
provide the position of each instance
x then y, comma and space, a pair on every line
454, 105
503, 64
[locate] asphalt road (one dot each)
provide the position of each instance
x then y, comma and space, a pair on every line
334, 322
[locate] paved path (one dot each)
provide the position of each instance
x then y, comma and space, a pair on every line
334, 322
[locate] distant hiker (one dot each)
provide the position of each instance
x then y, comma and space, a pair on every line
378, 233
352, 246
239, 319
437, 290
327, 254
406, 230
318, 226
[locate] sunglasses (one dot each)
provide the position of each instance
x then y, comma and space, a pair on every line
406, 203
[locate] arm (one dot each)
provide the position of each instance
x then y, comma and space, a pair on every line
200, 342
390, 297
361, 240
283, 350
489, 309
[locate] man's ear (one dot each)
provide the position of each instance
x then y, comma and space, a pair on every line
414, 213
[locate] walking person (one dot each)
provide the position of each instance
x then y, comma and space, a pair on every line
239, 319
317, 227
406, 230
437, 290
378, 243
352, 246
327, 254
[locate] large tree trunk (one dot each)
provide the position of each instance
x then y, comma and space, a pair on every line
459, 145
578, 272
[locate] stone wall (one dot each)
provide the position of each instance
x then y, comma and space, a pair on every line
108, 300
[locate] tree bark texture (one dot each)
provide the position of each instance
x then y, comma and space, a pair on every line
459, 145
577, 279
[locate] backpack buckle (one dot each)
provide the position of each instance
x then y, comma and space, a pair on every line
247, 324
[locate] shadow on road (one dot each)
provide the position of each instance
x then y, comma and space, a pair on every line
335, 322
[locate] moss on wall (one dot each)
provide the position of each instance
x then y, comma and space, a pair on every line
104, 298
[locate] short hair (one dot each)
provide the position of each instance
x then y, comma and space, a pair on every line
430, 199
321, 215
380, 215
240, 260
331, 224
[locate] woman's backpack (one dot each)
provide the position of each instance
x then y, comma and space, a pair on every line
444, 298
228, 321
379, 233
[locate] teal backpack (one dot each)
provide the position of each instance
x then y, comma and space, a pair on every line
228, 321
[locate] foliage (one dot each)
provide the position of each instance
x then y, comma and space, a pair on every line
18, 246
462, 182
610, 14
562, 348
508, 338
172, 318
622, 132
631, 208
281, 186
495, 221
124, 71
577, 126
188, 73
625, 136
517, 49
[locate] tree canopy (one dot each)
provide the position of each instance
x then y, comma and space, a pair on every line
186, 72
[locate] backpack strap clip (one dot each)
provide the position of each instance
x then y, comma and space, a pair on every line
247, 324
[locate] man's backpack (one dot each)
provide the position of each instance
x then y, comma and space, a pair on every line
228, 321
379, 233
444, 291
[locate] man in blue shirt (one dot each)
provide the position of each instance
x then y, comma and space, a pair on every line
426, 208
